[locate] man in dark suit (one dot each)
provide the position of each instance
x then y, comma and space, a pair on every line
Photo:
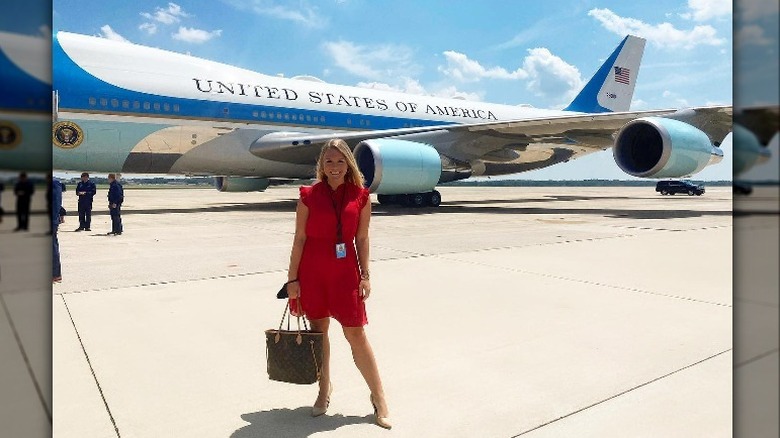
85, 190
24, 191
115, 198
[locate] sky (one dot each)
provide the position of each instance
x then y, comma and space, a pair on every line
538, 53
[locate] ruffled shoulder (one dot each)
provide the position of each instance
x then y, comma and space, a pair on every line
363, 197
305, 193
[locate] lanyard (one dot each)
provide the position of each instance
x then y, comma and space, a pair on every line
338, 211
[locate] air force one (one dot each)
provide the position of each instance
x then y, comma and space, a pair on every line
122, 107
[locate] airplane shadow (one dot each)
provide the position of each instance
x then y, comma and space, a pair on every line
292, 423
519, 206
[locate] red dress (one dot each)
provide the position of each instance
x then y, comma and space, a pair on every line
329, 285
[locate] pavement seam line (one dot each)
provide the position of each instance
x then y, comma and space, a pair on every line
91, 369
410, 254
755, 358
622, 393
27, 364
595, 283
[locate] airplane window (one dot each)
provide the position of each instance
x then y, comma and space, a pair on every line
176, 107
92, 101
114, 103
300, 117
225, 111
136, 104
286, 116
157, 106
167, 106
103, 101
308, 118
270, 115
322, 119
262, 114
125, 104
147, 106
349, 121
294, 117
368, 122
278, 115
362, 122
255, 114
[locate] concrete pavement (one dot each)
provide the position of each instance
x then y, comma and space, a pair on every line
534, 312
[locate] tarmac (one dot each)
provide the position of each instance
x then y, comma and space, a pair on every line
523, 311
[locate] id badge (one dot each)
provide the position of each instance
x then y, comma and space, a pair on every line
341, 250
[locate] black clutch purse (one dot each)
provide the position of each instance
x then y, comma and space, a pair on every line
282, 294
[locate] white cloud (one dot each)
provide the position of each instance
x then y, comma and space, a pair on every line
108, 33
149, 28
751, 35
170, 15
703, 10
412, 86
197, 36
372, 62
757, 9
662, 35
303, 14
550, 76
460, 67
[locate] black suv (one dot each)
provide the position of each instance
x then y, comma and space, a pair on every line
672, 187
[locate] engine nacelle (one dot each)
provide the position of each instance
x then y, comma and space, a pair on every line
748, 151
239, 184
655, 147
393, 166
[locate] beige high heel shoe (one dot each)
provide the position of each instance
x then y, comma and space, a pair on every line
383, 422
316, 411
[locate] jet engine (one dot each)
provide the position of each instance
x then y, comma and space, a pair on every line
655, 147
748, 151
239, 184
393, 166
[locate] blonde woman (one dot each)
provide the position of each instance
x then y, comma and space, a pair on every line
329, 266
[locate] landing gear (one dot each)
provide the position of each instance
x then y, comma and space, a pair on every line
432, 199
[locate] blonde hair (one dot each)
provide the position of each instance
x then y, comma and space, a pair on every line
354, 175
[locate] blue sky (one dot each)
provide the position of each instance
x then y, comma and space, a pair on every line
538, 53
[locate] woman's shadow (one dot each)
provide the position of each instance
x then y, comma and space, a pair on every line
292, 423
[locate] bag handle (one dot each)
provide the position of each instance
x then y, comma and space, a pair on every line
287, 313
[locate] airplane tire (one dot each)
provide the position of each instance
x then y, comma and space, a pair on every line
384, 199
434, 198
416, 199
690, 192
663, 192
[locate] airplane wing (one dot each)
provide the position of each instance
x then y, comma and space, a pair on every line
763, 122
500, 141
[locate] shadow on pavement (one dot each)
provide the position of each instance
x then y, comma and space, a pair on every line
292, 423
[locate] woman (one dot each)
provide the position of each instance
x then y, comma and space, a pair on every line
329, 266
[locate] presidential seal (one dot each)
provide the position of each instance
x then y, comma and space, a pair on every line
10, 135
67, 135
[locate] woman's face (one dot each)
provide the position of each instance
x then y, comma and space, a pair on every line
335, 166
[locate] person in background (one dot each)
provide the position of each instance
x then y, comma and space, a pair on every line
115, 198
2, 212
55, 188
24, 190
85, 190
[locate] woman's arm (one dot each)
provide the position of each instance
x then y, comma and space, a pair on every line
301, 214
362, 245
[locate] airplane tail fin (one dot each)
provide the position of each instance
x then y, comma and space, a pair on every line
612, 87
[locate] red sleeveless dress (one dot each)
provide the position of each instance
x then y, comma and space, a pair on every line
329, 285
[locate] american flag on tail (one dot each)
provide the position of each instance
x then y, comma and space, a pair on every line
622, 75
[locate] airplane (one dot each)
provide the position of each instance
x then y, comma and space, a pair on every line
25, 102
123, 107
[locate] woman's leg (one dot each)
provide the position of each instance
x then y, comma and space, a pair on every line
363, 356
321, 325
